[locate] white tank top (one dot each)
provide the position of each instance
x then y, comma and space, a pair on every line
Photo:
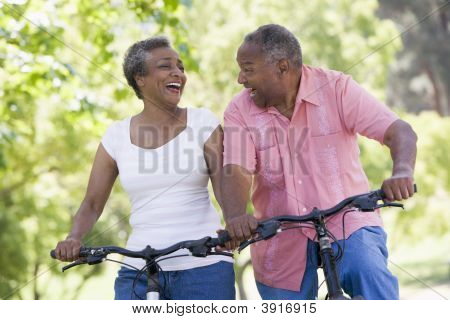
168, 189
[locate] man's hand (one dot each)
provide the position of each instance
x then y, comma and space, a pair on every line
398, 187
240, 228
401, 140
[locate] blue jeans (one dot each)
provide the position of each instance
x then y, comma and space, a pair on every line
362, 270
212, 282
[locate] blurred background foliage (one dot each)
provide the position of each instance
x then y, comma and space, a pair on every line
62, 85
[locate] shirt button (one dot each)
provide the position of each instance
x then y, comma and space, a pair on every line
299, 181
304, 209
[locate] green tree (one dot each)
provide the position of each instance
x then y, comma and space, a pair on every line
421, 78
343, 35
426, 214
60, 85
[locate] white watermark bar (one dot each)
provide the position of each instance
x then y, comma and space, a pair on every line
195, 309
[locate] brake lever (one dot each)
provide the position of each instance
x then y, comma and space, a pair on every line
95, 259
246, 243
265, 230
390, 204
268, 229
227, 254
201, 248
74, 264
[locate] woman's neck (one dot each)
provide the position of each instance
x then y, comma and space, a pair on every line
161, 114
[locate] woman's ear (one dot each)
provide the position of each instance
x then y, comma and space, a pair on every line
139, 80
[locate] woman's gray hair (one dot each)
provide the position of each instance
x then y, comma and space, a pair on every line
276, 43
134, 63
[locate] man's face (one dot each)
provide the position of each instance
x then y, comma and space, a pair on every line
259, 76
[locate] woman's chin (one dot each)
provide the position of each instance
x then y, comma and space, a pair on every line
172, 100
173, 103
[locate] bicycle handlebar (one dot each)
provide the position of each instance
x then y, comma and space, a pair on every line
266, 229
198, 248
366, 202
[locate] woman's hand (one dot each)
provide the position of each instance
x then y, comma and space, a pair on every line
68, 250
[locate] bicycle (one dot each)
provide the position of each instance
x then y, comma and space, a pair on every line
366, 202
197, 248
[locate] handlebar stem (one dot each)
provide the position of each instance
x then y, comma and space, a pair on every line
328, 262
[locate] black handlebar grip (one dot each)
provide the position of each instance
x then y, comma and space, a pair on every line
223, 237
53, 254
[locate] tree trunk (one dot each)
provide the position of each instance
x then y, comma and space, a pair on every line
36, 294
437, 103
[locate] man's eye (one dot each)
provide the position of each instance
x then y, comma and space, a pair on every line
164, 66
181, 68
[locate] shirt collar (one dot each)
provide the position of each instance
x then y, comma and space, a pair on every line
307, 90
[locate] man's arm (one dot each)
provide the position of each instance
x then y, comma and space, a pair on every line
401, 140
236, 183
239, 160
364, 114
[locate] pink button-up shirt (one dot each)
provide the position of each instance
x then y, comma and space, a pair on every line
309, 161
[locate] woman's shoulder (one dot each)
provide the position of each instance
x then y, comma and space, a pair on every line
114, 136
203, 122
118, 124
202, 116
117, 127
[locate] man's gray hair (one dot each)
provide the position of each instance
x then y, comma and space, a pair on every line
276, 43
134, 63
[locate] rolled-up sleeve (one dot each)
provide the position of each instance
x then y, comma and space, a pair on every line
361, 112
239, 148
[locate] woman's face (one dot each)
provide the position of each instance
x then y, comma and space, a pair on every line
165, 79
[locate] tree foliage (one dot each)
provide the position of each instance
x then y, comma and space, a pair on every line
60, 85
426, 213
421, 78
343, 35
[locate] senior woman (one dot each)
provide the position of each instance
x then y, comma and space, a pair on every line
165, 156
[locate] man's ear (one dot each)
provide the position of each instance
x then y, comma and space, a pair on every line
283, 66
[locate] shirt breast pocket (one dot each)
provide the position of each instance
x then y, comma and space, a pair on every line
326, 151
270, 166
330, 163
323, 120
